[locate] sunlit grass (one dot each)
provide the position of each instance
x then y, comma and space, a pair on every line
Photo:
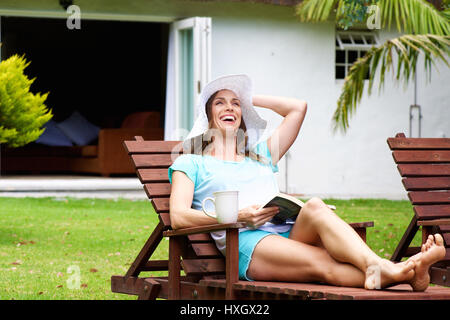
40, 238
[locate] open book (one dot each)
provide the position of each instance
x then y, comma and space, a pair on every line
289, 207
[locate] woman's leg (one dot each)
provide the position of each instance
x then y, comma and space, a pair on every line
276, 258
318, 225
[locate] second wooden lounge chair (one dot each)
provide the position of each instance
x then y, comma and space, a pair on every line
424, 164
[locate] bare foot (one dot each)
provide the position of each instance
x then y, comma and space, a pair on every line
433, 250
384, 273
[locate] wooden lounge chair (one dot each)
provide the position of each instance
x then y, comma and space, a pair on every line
424, 164
209, 275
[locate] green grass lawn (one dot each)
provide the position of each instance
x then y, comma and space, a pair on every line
46, 244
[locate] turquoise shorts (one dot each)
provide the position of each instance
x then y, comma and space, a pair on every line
247, 243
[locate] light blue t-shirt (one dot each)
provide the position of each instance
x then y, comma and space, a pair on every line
255, 181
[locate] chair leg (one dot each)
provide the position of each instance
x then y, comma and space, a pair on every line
404, 243
146, 251
232, 262
150, 290
174, 268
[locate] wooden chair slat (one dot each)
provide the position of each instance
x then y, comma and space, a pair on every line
417, 170
161, 204
444, 229
203, 266
165, 220
429, 183
434, 222
156, 265
447, 255
424, 197
418, 143
432, 211
200, 237
156, 190
153, 160
446, 237
153, 175
414, 156
295, 289
208, 249
149, 146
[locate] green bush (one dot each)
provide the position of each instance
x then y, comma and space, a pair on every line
22, 113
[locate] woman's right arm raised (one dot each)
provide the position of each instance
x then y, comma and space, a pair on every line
181, 213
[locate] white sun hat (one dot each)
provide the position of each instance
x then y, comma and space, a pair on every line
241, 85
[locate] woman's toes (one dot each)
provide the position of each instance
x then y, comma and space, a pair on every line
438, 239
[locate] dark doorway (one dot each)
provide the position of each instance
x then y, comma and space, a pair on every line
106, 70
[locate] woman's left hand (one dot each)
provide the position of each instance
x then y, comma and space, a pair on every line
255, 216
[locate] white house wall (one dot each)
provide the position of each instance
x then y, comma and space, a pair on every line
288, 58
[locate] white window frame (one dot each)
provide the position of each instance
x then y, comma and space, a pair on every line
364, 35
201, 27
353, 46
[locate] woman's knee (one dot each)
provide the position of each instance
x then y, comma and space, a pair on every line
315, 209
315, 203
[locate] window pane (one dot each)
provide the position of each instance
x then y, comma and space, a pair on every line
186, 61
345, 39
340, 56
358, 39
340, 72
370, 39
352, 56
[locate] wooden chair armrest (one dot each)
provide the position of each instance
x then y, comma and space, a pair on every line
365, 224
436, 222
237, 225
203, 229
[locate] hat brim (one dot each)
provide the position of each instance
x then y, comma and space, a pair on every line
241, 85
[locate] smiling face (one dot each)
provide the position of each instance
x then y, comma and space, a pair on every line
224, 111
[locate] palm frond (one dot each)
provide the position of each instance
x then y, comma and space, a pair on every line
409, 16
315, 10
414, 16
407, 49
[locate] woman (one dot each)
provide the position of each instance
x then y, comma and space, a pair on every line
228, 153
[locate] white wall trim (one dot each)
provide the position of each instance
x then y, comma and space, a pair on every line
85, 15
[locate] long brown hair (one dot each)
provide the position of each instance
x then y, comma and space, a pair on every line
205, 139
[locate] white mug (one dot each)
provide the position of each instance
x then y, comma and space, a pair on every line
226, 204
